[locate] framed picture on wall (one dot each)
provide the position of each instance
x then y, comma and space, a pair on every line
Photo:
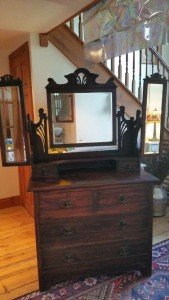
64, 107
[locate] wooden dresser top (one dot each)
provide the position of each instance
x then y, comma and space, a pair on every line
93, 179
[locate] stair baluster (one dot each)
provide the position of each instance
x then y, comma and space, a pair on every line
80, 24
72, 23
127, 73
133, 79
152, 63
120, 69
157, 61
146, 57
140, 74
112, 67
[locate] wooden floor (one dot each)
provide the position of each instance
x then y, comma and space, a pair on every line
161, 228
18, 264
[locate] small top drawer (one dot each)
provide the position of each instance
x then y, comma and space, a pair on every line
99, 201
124, 198
63, 204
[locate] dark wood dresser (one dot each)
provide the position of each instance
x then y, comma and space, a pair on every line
93, 223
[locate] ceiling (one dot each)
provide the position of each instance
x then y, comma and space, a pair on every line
21, 16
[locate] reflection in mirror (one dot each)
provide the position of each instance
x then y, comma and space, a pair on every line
81, 118
153, 118
13, 146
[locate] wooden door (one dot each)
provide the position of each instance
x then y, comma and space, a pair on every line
19, 62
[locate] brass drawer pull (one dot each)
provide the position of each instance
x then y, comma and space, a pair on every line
68, 231
68, 203
122, 199
123, 224
123, 251
69, 258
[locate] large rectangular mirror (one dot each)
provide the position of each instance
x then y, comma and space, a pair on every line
80, 118
154, 99
81, 113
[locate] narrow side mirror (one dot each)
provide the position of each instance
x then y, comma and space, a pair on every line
154, 100
13, 126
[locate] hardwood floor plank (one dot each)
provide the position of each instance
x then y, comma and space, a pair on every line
161, 237
20, 291
23, 278
18, 267
18, 256
163, 218
2, 289
5, 297
19, 219
12, 210
160, 228
17, 243
15, 231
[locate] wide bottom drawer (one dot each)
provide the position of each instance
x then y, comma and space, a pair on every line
71, 270
88, 255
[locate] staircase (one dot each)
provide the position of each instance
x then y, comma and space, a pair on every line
128, 70
62, 37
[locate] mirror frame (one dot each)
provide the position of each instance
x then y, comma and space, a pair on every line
7, 81
81, 81
155, 78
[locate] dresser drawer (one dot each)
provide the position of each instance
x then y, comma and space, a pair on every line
129, 198
60, 204
53, 274
107, 258
74, 203
93, 229
89, 256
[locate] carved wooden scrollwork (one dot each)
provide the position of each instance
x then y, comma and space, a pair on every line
79, 80
38, 137
9, 80
128, 132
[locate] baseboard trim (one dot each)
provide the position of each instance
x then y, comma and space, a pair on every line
9, 202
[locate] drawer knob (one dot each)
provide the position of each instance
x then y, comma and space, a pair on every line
68, 231
123, 251
68, 204
122, 199
123, 224
68, 257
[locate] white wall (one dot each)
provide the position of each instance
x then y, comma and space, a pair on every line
46, 62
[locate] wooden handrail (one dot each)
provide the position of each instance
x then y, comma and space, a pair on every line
76, 14
159, 57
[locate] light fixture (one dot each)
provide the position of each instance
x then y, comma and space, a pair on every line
155, 118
